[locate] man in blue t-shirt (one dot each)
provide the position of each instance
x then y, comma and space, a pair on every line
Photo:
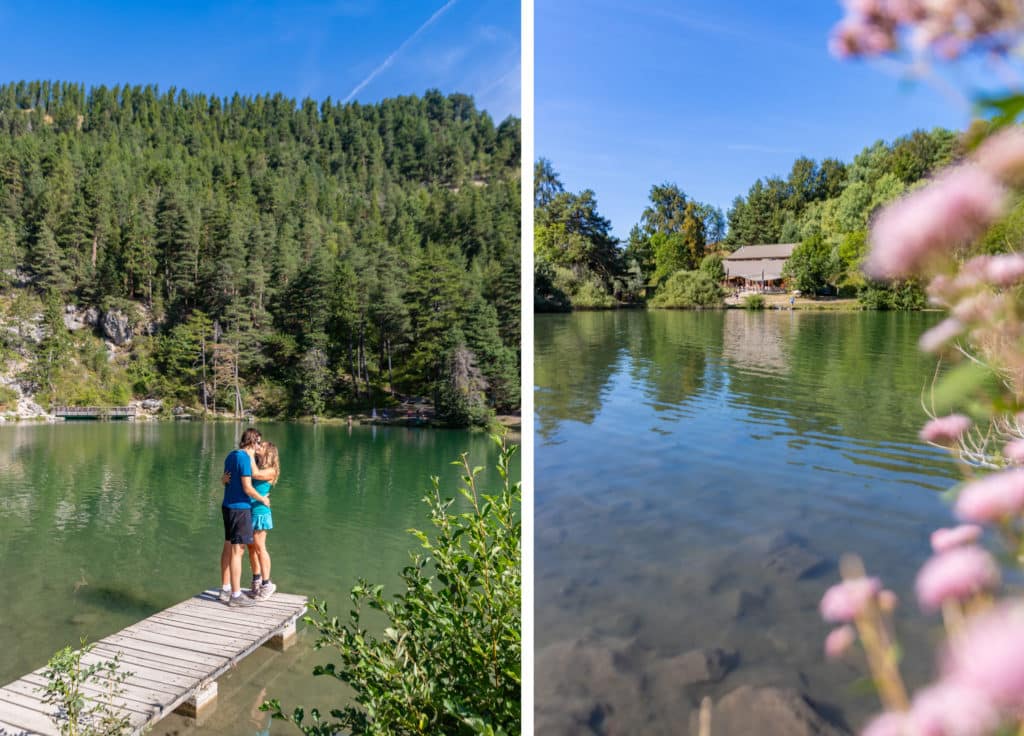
237, 513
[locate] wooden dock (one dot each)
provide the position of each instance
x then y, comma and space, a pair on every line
94, 412
174, 659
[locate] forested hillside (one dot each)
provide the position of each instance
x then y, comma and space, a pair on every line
279, 257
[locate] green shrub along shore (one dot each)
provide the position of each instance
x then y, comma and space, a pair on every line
672, 258
258, 254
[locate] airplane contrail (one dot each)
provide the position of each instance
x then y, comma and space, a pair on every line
394, 54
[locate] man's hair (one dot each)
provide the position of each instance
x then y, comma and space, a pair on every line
249, 438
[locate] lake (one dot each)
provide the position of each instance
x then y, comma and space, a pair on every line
698, 476
103, 524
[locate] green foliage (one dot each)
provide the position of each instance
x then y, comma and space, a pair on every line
8, 398
449, 657
547, 297
814, 264
68, 681
900, 296
753, 302
711, 264
687, 290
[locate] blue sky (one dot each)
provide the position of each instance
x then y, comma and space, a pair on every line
315, 49
708, 94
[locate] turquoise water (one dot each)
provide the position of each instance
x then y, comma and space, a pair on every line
103, 524
698, 476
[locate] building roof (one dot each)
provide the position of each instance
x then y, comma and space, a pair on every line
748, 252
766, 269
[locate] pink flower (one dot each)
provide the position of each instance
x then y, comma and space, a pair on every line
955, 575
839, 641
1014, 451
845, 601
938, 336
1005, 270
856, 35
952, 210
945, 430
1002, 154
944, 540
988, 656
952, 709
890, 723
992, 498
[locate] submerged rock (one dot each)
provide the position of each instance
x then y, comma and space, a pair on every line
588, 686
770, 711
790, 556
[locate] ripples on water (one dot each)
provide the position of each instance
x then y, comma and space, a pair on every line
698, 475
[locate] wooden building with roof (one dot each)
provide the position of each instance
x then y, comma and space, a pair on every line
757, 266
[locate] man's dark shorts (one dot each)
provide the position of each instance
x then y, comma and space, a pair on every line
237, 525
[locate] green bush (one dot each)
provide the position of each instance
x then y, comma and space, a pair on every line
448, 661
590, 294
753, 301
688, 290
8, 399
68, 679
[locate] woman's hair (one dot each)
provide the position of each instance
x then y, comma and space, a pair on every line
267, 457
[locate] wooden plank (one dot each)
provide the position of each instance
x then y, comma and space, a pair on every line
154, 660
223, 612
207, 625
147, 671
140, 698
121, 703
29, 720
7, 729
168, 652
192, 635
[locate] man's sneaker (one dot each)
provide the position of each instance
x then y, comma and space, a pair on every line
266, 591
254, 591
241, 601
225, 595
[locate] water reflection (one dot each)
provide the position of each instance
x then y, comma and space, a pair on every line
698, 477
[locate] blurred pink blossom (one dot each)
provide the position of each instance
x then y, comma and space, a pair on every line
855, 35
888, 724
845, 601
1002, 154
940, 335
988, 656
839, 641
1014, 451
946, 539
952, 709
945, 430
956, 574
993, 497
953, 210
1005, 270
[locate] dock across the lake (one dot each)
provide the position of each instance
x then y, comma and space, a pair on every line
94, 412
173, 659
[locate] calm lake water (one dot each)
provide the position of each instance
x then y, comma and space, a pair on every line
103, 524
698, 476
